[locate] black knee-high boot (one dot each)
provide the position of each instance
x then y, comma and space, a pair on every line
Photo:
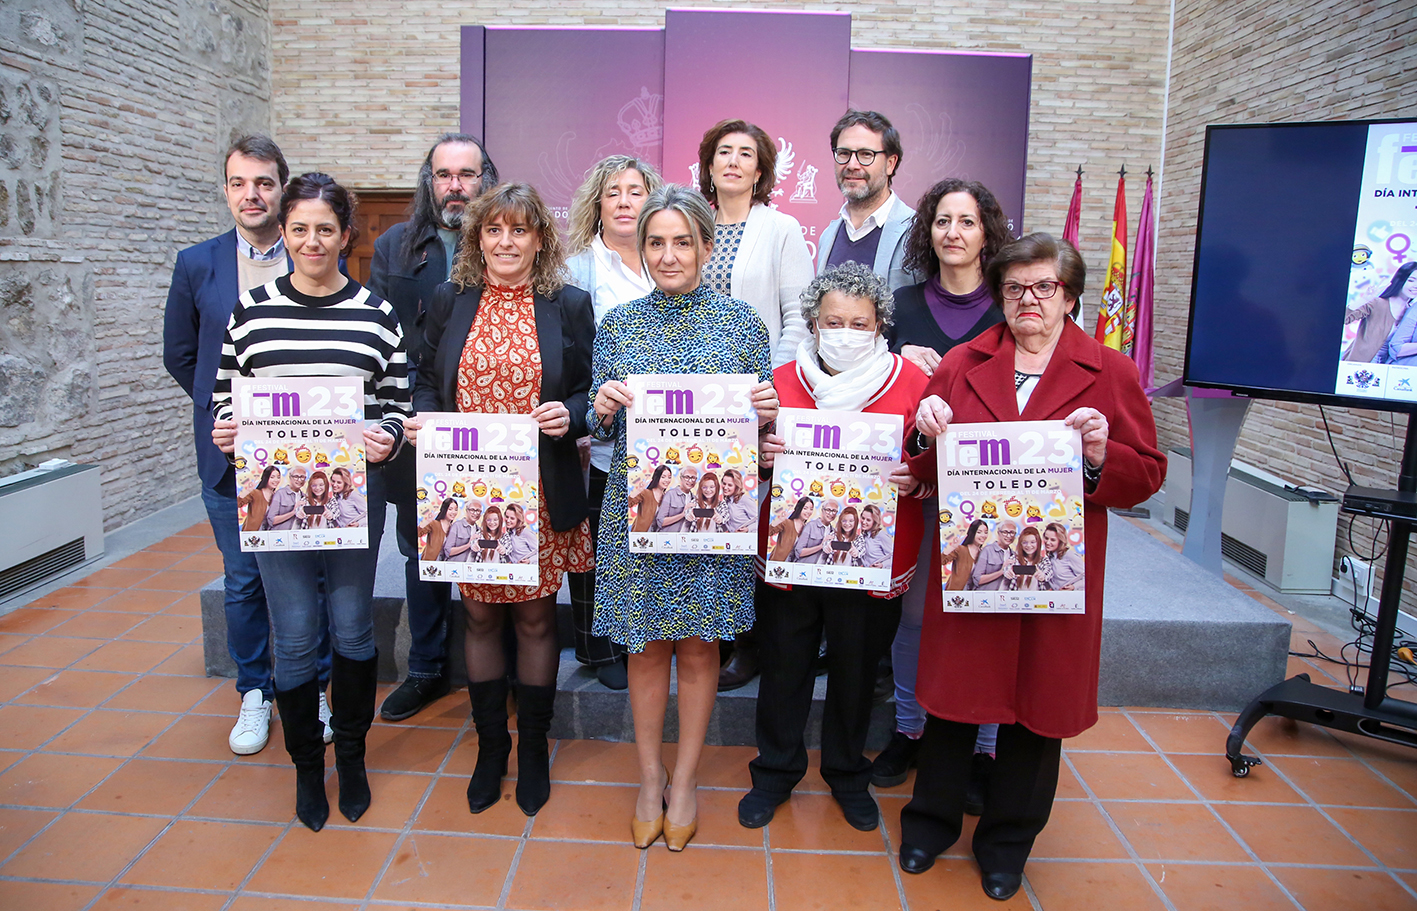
535, 705
305, 742
494, 744
352, 689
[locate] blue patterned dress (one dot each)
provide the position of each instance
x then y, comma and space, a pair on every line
641, 598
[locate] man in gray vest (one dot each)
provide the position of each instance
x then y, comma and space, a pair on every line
873, 223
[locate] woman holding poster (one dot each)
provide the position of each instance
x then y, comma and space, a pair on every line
437, 529
258, 500
605, 261
317, 322
671, 609
842, 365
958, 226
1036, 676
508, 336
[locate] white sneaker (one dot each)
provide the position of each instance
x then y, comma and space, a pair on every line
325, 715
253, 725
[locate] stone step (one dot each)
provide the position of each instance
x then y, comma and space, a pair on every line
1173, 635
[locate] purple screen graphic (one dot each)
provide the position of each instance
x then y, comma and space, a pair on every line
785, 72
558, 100
959, 115
551, 102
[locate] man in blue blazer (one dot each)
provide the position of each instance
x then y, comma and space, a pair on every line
411, 260
873, 223
206, 281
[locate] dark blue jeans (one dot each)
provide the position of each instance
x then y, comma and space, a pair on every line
248, 625
428, 602
300, 583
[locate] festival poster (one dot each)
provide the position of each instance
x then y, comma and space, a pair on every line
833, 507
1011, 509
300, 471
692, 464
477, 499
1381, 277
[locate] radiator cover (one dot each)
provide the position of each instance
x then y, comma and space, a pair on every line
51, 520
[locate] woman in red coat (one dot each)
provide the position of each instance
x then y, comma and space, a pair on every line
1036, 676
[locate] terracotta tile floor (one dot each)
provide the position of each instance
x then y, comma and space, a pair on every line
117, 789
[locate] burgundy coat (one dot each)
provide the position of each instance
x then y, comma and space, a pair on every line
1038, 671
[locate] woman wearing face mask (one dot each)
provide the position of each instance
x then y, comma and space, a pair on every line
842, 365
958, 225
605, 261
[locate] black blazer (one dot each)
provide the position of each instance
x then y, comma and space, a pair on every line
408, 282
565, 332
915, 324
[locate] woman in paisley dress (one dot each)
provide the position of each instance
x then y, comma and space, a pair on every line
671, 608
507, 336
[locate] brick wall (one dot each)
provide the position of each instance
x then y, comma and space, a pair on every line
112, 118
1270, 63
367, 95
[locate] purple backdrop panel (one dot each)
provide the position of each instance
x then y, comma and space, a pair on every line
558, 100
785, 72
959, 115
470, 80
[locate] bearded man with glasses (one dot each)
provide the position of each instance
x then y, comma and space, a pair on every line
411, 259
874, 222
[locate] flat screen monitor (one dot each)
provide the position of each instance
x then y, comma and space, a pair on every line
1305, 271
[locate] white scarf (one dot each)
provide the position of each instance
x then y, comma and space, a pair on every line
851, 389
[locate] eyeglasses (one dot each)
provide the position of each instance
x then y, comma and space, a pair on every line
465, 176
864, 156
1043, 290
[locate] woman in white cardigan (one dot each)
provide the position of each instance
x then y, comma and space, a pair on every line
759, 254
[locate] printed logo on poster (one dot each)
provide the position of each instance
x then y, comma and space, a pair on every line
692, 464
1011, 517
832, 517
477, 494
300, 468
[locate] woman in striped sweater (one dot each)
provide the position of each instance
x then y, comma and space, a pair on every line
318, 322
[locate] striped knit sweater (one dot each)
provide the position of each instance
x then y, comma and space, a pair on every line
276, 331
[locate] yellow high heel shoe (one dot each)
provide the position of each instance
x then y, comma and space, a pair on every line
676, 837
645, 833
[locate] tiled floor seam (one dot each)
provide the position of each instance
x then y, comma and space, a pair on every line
767, 862
890, 859
1225, 824
72, 806
641, 866
1120, 835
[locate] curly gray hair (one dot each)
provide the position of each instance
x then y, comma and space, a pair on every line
853, 280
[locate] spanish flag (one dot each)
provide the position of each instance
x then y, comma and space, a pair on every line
1114, 326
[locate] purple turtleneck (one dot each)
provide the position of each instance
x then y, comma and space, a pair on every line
956, 313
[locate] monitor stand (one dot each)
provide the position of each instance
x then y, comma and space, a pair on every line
1370, 712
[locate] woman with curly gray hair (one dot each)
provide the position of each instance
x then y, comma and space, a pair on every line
842, 365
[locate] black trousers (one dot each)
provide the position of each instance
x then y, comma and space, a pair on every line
1017, 802
429, 603
859, 629
591, 650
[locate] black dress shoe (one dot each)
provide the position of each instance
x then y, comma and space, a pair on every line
613, 676
915, 860
739, 670
412, 696
895, 761
859, 809
999, 886
979, 769
757, 807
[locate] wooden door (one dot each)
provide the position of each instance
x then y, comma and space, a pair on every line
379, 210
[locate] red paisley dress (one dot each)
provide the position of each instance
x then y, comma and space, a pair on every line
500, 373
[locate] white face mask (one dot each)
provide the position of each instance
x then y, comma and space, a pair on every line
843, 349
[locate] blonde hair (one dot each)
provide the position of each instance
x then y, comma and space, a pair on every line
519, 200
585, 206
